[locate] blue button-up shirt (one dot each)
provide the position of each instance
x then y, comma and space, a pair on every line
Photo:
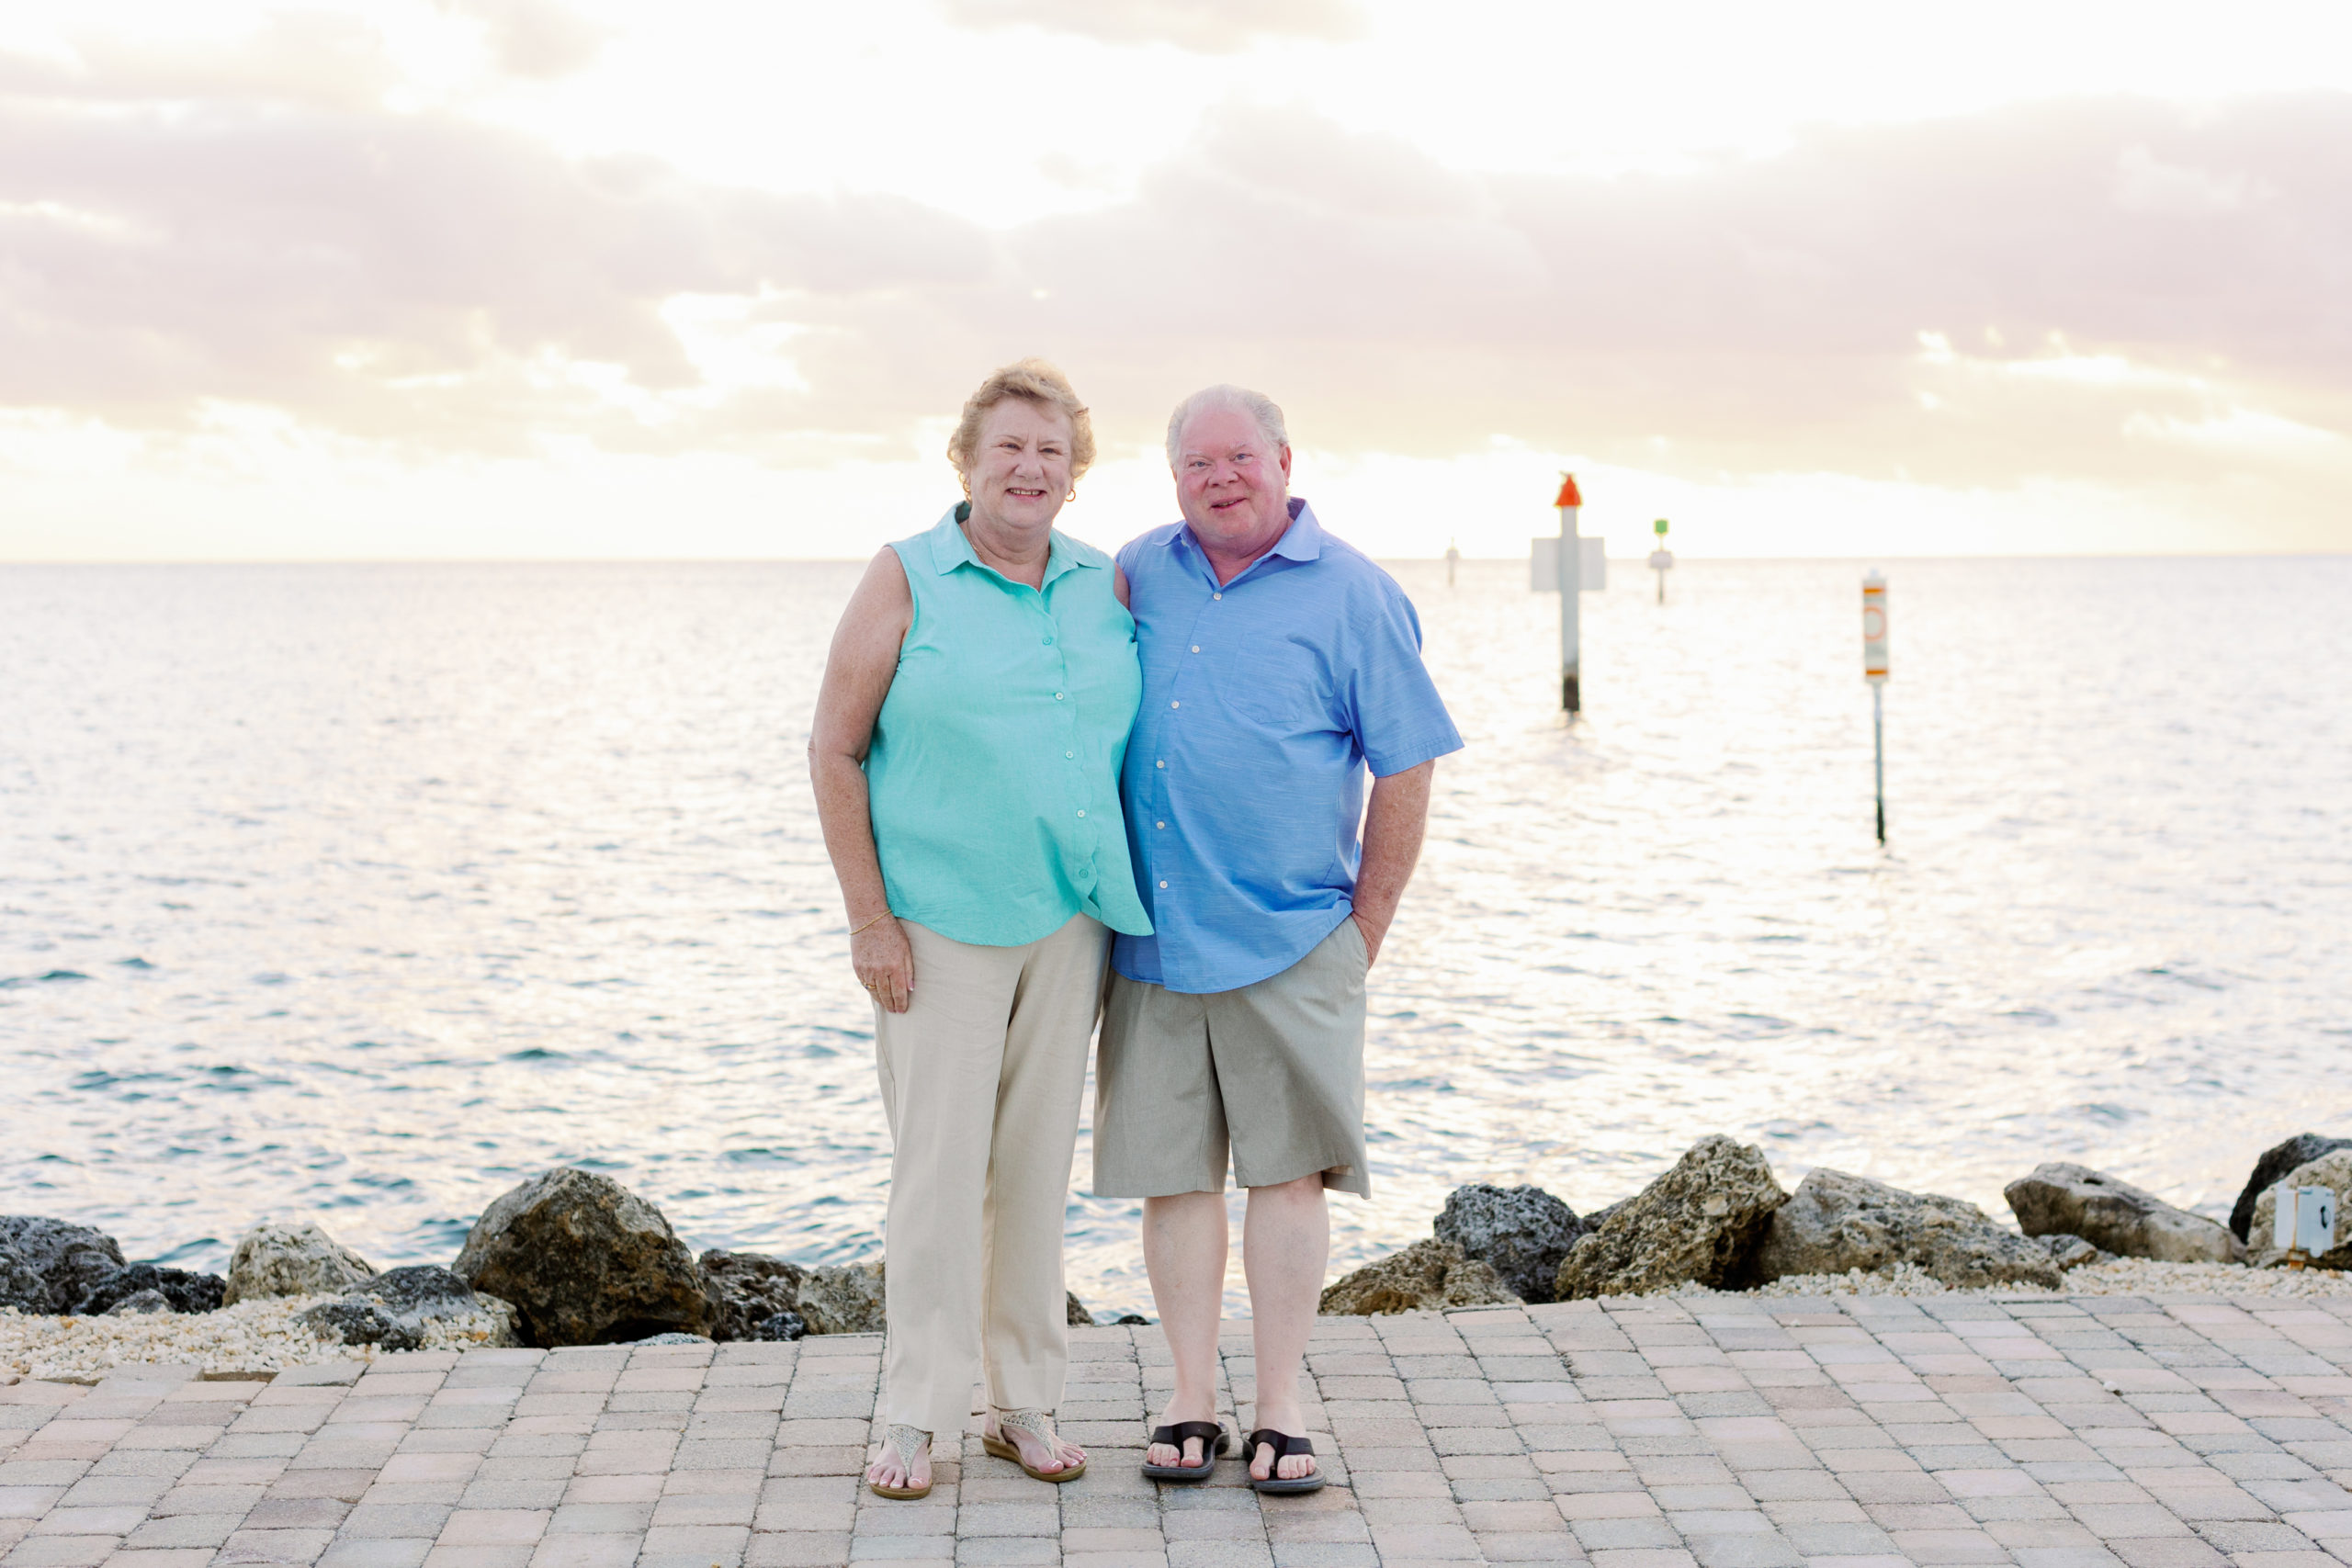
1264, 699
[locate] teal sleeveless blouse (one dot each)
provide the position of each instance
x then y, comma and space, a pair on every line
993, 772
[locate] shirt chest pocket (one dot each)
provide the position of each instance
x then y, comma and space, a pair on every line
1278, 681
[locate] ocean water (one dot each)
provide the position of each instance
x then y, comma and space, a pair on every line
365, 892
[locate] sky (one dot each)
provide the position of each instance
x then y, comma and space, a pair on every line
598, 279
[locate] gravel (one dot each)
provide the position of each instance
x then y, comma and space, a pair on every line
262, 1335
251, 1337
2116, 1277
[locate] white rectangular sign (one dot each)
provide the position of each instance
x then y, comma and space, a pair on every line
1543, 563
2305, 1217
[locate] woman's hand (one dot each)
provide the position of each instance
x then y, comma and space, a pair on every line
885, 964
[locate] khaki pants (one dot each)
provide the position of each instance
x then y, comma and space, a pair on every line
1272, 1073
981, 1080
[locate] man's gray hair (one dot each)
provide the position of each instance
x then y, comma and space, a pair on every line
1260, 407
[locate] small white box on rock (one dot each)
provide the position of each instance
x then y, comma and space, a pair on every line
2305, 1219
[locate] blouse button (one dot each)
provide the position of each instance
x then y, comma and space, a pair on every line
1057, 696
1163, 884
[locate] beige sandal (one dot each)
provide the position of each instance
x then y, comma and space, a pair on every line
1038, 1424
910, 1442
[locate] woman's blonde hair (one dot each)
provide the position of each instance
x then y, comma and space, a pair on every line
1038, 382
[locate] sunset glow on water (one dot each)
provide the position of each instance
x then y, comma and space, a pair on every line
367, 892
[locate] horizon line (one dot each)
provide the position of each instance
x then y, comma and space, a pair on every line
1634, 562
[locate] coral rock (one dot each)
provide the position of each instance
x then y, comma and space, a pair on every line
357, 1320
275, 1259
843, 1298
2073, 1251
2271, 1168
1697, 1224
783, 1326
48, 1267
139, 1304
2060, 1199
1428, 1276
181, 1291
2332, 1171
1523, 1232
747, 1289
1836, 1223
586, 1261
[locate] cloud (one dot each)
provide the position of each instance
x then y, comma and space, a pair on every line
1204, 27
2111, 289
537, 38
419, 278
1760, 314
299, 57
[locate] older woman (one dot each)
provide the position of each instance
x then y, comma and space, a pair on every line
966, 754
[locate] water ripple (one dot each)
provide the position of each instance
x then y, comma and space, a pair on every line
369, 891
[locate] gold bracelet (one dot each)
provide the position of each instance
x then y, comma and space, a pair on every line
875, 921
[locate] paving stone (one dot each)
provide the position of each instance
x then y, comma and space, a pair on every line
1723, 1433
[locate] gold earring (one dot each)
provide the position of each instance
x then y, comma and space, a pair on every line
1071, 496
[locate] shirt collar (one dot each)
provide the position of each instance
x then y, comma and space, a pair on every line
951, 547
1302, 541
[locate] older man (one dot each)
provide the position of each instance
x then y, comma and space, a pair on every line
1279, 663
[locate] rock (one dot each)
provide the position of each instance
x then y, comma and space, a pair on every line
506, 1325
358, 1320
748, 1288
394, 1310
1074, 1312
182, 1291
2071, 1251
1135, 1317
586, 1261
2276, 1162
138, 1303
19, 1286
2059, 1198
843, 1298
1428, 1276
422, 1291
48, 1266
1521, 1232
277, 1259
785, 1326
1837, 1222
2332, 1170
1699, 1223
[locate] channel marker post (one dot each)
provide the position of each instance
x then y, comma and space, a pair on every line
1874, 671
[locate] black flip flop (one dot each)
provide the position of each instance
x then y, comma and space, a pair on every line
1215, 1440
1284, 1445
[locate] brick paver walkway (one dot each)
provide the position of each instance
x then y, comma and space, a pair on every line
1729, 1432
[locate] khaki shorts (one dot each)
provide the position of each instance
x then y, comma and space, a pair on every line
1271, 1072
